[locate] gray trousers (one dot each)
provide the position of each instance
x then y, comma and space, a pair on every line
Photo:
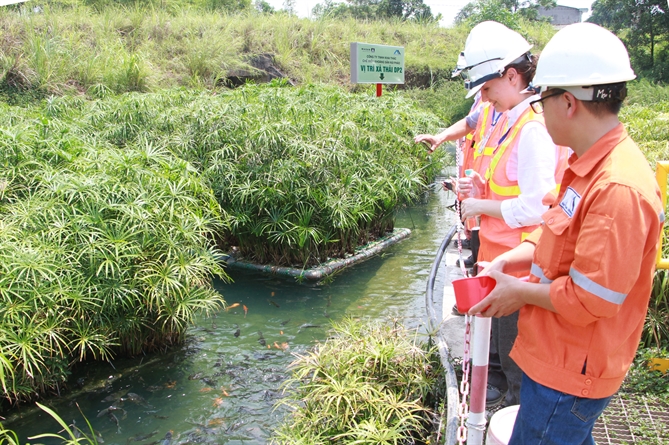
502, 370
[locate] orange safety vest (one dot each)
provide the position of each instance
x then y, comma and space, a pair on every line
496, 236
487, 135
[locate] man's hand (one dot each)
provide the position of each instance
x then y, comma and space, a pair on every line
485, 267
505, 299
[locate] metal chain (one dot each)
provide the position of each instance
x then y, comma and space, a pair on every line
463, 408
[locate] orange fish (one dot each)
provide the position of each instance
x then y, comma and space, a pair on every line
205, 389
232, 306
225, 393
272, 293
218, 421
171, 384
246, 310
218, 401
284, 346
281, 332
276, 345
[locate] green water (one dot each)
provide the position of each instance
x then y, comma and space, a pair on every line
220, 388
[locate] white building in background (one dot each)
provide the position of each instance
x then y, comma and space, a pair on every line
563, 15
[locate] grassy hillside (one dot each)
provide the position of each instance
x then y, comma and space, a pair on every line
77, 45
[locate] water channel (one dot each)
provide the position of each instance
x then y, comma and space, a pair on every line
222, 385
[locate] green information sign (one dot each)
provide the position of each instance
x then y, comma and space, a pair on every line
376, 63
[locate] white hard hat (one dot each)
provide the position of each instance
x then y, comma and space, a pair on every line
490, 47
582, 58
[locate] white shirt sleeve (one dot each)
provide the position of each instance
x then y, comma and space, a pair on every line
534, 167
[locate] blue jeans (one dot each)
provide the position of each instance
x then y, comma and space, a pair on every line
549, 417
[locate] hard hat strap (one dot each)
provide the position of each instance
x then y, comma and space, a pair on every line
472, 84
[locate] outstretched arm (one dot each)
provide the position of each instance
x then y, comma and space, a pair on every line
458, 130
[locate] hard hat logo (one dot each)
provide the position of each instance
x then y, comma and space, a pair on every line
598, 93
586, 60
604, 93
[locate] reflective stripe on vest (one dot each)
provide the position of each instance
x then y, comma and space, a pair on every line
482, 131
511, 190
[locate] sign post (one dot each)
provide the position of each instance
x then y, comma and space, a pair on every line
379, 64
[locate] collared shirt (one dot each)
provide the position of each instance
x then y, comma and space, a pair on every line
535, 172
597, 249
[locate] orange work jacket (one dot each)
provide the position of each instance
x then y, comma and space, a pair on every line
496, 235
597, 250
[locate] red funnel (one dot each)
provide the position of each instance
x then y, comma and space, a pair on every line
469, 291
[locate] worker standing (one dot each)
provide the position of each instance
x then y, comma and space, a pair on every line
592, 261
519, 167
472, 129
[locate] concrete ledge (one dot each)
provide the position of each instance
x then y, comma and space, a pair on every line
323, 270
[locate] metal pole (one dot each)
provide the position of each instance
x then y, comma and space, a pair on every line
476, 421
661, 172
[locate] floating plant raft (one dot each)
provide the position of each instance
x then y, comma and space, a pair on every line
329, 267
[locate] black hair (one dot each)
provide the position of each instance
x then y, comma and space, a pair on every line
603, 108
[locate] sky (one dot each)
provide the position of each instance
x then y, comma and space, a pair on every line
447, 8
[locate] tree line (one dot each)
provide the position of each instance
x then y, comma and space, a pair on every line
642, 24
644, 27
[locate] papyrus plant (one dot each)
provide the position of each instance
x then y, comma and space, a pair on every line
103, 250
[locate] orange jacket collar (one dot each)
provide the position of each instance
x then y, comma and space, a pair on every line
583, 165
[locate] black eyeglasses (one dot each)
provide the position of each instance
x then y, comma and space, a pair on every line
538, 106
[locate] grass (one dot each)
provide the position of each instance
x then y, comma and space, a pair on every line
75, 46
444, 98
367, 384
73, 434
646, 116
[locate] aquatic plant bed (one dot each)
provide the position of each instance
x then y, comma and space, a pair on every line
329, 267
